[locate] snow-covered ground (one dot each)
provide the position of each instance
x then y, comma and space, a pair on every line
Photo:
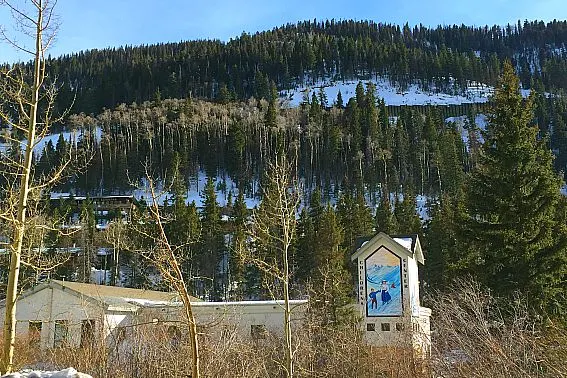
392, 96
65, 373
69, 136
480, 121
223, 186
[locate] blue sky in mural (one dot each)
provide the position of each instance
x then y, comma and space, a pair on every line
383, 265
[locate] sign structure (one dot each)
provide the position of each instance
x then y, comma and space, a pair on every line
382, 270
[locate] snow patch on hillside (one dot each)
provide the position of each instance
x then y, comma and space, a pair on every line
223, 186
476, 93
68, 136
480, 121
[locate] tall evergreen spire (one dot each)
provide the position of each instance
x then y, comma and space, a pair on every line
516, 239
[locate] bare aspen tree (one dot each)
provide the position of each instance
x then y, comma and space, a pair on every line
166, 258
27, 101
270, 236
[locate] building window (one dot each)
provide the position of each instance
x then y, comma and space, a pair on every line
119, 334
400, 327
34, 331
258, 331
174, 335
371, 327
385, 327
87, 333
61, 333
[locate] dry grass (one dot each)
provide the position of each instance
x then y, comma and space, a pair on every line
477, 335
150, 351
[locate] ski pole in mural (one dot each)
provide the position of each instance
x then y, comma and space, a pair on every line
383, 284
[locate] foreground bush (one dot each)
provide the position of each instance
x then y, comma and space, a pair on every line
478, 335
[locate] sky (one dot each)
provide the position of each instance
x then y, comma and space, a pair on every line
88, 24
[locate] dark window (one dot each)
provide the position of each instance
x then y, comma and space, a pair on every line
370, 326
119, 334
61, 333
400, 327
87, 333
34, 331
258, 331
174, 335
385, 327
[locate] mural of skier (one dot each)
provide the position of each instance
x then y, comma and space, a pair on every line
383, 284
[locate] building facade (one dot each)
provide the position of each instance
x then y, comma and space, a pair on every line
388, 292
73, 314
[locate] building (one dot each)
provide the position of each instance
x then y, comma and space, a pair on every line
105, 208
69, 313
388, 292
61, 313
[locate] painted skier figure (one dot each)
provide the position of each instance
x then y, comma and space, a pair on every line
373, 300
385, 294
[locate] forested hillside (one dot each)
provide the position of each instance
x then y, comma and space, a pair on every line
446, 57
353, 145
182, 112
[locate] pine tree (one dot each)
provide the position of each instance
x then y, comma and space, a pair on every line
513, 204
441, 241
304, 248
212, 241
339, 103
236, 267
355, 218
270, 118
331, 279
406, 215
385, 220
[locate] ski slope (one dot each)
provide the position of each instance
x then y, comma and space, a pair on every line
476, 93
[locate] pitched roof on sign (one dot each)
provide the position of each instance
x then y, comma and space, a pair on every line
408, 243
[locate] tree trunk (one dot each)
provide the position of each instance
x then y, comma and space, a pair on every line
19, 226
287, 319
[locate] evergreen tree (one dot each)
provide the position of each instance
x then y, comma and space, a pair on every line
385, 219
271, 114
212, 249
339, 103
236, 267
332, 283
516, 239
304, 248
355, 218
441, 241
406, 215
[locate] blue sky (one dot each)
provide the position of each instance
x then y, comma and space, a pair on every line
104, 23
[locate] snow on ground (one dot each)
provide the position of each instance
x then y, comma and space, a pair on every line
223, 185
392, 96
480, 121
65, 373
69, 136
421, 207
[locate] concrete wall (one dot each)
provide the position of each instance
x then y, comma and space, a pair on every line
50, 305
214, 318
